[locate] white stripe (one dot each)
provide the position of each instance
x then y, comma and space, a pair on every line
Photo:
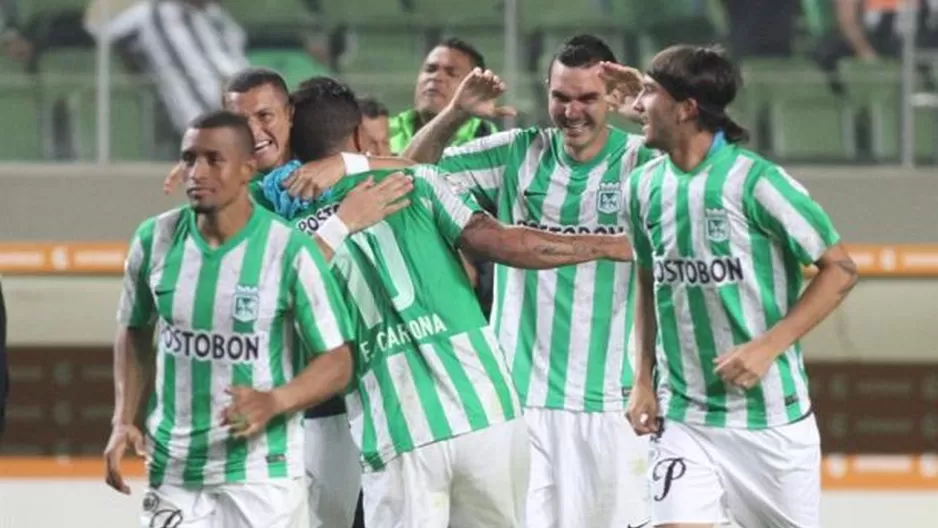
485, 179
584, 283
781, 298
490, 338
229, 270
163, 230
183, 304
132, 267
311, 282
459, 420
401, 375
690, 360
749, 293
479, 379
452, 205
508, 318
797, 227
713, 303
548, 283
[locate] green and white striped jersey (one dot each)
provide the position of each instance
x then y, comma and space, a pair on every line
726, 243
429, 367
226, 316
566, 331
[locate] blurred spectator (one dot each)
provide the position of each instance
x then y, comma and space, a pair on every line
375, 125
761, 28
869, 29
188, 48
443, 69
12, 41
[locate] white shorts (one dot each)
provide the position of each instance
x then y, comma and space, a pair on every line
711, 475
587, 470
477, 479
278, 503
333, 472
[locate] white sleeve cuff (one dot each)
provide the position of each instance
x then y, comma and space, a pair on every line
355, 163
333, 232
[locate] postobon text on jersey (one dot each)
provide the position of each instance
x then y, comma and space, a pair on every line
693, 272
216, 346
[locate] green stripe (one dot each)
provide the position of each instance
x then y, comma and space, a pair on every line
667, 318
559, 354
276, 431
524, 348
810, 211
142, 307
599, 332
487, 159
700, 318
790, 360
490, 363
203, 312
171, 267
430, 401
729, 294
628, 375
465, 391
243, 375
393, 412
369, 439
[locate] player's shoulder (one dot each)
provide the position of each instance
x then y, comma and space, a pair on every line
167, 221
759, 168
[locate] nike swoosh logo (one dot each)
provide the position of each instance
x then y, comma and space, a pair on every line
639, 525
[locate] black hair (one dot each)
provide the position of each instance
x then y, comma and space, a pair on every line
251, 78
458, 44
582, 51
325, 115
372, 108
706, 75
226, 119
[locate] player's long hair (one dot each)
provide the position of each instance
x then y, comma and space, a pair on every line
709, 77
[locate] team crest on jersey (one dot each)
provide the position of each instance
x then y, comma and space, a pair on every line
245, 306
718, 225
609, 197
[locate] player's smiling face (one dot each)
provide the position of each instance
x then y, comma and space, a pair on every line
270, 115
217, 168
442, 71
577, 105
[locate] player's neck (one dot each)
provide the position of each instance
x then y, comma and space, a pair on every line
690, 151
222, 225
590, 151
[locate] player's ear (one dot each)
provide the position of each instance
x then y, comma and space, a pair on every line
358, 138
248, 169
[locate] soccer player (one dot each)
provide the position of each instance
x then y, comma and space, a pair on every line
261, 96
567, 332
721, 236
435, 412
228, 286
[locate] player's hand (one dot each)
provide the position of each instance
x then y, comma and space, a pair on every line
623, 84
477, 94
250, 410
122, 438
619, 249
642, 411
173, 179
310, 180
745, 365
368, 203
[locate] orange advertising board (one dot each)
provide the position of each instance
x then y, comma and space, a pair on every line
859, 472
107, 258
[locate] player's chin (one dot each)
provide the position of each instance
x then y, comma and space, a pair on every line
202, 207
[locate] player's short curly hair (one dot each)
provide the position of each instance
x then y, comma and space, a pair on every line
325, 115
230, 120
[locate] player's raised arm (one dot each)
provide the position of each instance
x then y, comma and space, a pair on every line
364, 206
461, 221
476, 96
133, 358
